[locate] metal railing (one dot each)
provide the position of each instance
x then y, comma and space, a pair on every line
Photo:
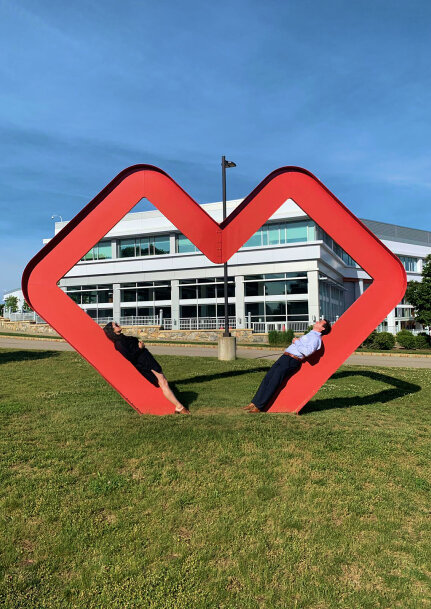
26, 316
262, 327
205, 323
141, 321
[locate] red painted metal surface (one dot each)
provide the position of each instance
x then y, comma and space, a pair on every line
218, 243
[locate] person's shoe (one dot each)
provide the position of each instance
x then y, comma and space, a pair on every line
249, 406
254, 410
183, 410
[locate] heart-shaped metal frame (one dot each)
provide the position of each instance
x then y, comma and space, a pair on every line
218, 242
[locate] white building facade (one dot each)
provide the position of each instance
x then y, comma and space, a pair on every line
287, 275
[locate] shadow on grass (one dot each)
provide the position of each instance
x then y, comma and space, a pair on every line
204, 378
399, 389
24, 356
185, 397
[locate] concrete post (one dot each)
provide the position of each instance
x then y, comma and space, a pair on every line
227, 348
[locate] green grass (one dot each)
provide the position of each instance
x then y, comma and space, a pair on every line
102, 508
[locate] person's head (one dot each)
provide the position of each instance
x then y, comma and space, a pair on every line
112, 330
323, 326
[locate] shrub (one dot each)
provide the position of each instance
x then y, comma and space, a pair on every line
369, 341
423, 341
406, 339
281, 339
384, 341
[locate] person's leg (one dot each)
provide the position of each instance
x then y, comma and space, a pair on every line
284, 366
168, 393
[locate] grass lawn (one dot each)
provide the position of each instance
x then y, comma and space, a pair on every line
103, 508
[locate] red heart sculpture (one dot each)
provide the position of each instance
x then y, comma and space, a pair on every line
218, 243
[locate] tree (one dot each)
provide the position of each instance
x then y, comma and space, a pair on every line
1, 309
11, 303
26, 307
418, 294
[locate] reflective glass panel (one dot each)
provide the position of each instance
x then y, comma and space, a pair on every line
127, 248
296, 232
161, 244
104, 250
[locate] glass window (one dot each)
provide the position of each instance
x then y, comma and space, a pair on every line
89, 297
143, 248
300, 286
312, 232
76, 297
128, 312
161, 245
104, 250
188, 292
230, 290
255, 309
162, 293
230, 310
409, 263
101, 313
296, 232
184, 245
128, 295
207, 310
255, 240
145, 294
298, 308
166, 312
89, 255
275, 311
188, 311
273, 234
275, 288
207, 291
105, 296
145, 311
253, 288
127, 248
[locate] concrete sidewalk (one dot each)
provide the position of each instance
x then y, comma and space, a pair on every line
369, 360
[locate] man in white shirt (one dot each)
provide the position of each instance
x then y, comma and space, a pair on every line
288, 364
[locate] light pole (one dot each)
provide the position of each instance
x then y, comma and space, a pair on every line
57, 216
226, 343
225, 164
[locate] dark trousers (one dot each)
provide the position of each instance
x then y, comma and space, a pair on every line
284, 367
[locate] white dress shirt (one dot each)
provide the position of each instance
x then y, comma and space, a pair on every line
306, 345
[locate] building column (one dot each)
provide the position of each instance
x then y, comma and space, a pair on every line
239, 301
116, 302
359, 288
391, 322
313, 297
175, 304
172, 243
114, 249
420, 266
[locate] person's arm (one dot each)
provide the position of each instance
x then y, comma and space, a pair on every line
311, 343
128, 347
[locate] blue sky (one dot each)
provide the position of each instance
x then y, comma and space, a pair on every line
89, 88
